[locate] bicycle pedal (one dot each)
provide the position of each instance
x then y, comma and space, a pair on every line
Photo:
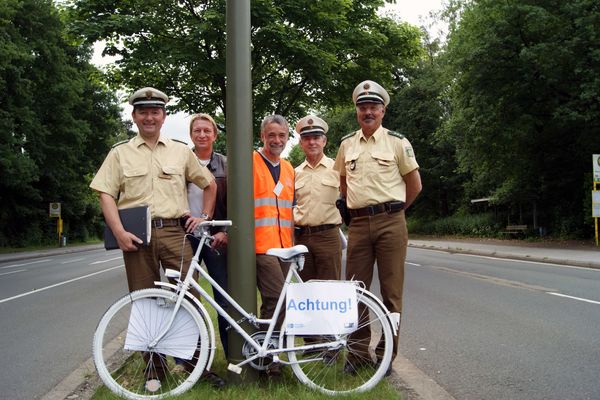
234, 368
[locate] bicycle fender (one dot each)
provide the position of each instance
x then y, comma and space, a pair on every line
205, 315
393, 318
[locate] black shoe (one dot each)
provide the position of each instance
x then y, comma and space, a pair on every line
215, 380
274, 372
388, 371
350, 368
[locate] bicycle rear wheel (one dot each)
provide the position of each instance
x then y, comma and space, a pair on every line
344, 370
127, 364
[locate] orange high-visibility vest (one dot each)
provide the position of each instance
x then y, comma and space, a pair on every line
273, 221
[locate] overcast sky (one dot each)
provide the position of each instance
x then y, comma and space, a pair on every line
176, 125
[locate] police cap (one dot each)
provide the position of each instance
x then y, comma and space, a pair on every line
370, 92
311, 125
148, 97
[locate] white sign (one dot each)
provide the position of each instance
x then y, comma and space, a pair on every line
596, 203
54, 210
148, 319
321, 308
596, 167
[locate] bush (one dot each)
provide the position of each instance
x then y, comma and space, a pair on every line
480, 225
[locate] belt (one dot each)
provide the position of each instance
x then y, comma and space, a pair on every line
159, 223
313, 229
389, 207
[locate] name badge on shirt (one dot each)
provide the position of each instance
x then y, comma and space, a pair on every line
278, 188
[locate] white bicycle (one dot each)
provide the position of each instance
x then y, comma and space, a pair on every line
146, 333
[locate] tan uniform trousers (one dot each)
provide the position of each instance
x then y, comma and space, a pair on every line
270, 277
324, 258
382, 238
170, 249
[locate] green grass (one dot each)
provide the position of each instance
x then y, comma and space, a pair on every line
289, 388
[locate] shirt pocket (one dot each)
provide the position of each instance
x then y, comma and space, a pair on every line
331, 189
352, 167
172, 179
134, 183
383, 164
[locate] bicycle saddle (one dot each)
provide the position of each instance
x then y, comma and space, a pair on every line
288, 253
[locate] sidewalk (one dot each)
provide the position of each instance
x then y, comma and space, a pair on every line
25, 255
564, 253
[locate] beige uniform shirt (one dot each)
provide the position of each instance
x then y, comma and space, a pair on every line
374, 167
317, 189
136, 175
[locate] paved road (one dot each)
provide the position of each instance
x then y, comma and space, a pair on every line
49, 308
486, 328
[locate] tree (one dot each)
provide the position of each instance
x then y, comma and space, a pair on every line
298, 62
55, 121
525, 105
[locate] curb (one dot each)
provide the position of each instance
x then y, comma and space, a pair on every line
546, 260
413, 383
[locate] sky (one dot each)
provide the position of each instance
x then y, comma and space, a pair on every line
177, 125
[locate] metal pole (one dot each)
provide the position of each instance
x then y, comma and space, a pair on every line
240, 188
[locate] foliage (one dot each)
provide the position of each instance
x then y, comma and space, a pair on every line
298, 63
56, 121
296, 155
474, 225
525, 113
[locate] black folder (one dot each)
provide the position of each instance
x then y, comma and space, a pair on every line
136, 220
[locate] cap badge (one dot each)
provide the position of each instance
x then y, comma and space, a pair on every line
366, 86
148, 94
310, 121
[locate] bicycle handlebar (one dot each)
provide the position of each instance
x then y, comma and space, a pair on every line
216, 223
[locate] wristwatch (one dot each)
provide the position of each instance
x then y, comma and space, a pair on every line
204, 216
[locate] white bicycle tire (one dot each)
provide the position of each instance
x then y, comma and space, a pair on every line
309, 372
102, 341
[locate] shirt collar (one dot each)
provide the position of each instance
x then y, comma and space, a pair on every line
376, 135
138, 140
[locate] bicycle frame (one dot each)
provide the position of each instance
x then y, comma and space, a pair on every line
261, 350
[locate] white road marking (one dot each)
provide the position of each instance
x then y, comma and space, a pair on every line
72, 261
29, 263
58, 284
574, 298
528, 262
415, 264
103, 261
13, 272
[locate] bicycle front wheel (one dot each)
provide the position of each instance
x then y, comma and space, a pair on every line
129, 362
355, 367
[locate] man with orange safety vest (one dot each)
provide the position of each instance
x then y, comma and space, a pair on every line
273, 201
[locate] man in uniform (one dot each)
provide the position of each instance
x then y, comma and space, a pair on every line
151, 169
380, 179
273, 200
316, 218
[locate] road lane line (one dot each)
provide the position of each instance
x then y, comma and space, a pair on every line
13, 272
542, 263
574, 298
58, 284
72, 261
103, 261
416, 265
29, 263
495, 280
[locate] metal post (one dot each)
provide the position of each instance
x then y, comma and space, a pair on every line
240, 188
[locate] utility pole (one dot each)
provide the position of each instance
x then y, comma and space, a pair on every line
240, 188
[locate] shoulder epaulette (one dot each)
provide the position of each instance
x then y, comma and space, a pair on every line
120, 143
396, 134
347, 136
179, 141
